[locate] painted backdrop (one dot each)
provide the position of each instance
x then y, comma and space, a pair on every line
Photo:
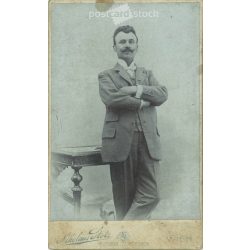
169, 45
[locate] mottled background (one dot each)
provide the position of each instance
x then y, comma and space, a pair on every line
168, 45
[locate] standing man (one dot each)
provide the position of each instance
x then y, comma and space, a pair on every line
130, 138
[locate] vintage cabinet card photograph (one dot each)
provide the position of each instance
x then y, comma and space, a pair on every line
125, 124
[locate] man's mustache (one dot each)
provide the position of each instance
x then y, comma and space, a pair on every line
127, 50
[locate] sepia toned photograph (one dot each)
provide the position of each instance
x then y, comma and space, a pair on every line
125, 124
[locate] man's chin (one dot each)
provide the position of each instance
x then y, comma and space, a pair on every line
128, 56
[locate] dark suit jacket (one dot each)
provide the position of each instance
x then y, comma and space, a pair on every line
121, 112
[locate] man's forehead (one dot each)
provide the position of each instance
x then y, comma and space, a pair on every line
122, 35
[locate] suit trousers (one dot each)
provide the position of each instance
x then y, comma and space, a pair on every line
134, 182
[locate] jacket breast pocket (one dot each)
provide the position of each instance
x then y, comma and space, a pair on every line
108, 133
111, 117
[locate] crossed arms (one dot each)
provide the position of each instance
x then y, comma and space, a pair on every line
131, 97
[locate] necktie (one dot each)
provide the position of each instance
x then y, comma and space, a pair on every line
131, 70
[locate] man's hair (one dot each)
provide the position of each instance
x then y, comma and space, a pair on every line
125, 29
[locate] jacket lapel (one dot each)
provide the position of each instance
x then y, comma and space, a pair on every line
123, 73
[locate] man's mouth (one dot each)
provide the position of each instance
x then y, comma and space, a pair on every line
127, 51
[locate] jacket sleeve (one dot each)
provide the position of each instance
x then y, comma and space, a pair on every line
155, 93
112, 97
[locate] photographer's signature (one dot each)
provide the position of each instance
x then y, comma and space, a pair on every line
92, 235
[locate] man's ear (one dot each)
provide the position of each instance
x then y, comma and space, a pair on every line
114, 48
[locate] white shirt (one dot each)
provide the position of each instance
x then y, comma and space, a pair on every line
130, 69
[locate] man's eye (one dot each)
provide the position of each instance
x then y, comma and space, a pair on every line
123, 41
131, 41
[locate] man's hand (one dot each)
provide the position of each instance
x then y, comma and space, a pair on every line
129, 90
144, 104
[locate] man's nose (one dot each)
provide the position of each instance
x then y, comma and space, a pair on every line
127, 44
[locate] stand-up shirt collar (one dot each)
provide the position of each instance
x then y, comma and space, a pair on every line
131, 67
